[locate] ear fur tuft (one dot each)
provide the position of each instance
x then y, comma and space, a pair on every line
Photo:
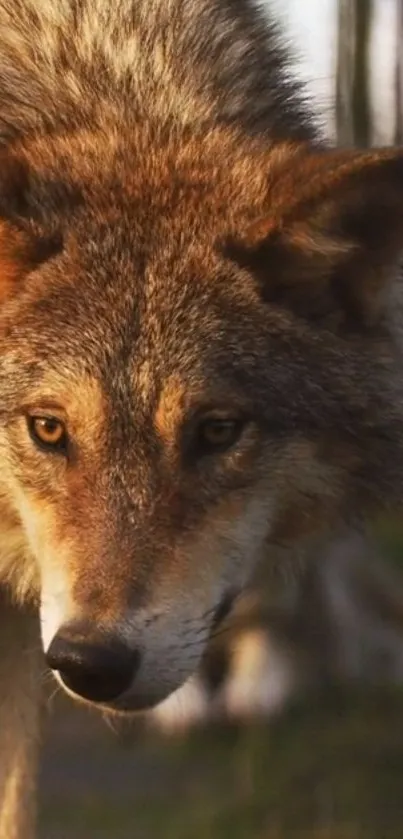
332, 236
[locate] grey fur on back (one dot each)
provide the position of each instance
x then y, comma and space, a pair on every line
67, 63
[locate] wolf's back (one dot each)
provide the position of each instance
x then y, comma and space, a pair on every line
67, 63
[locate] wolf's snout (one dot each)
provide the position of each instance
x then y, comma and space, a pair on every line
95, 666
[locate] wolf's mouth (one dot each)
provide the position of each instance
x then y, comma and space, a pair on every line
97, 668
224, 608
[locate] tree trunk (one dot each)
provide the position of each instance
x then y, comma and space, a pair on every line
399, 75
353, 108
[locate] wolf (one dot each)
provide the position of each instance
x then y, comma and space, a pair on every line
200, 343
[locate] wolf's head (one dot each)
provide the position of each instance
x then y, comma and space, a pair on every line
194, 361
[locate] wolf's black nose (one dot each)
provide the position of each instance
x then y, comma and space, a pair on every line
96, 667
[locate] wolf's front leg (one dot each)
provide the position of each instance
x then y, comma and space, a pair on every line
21, 667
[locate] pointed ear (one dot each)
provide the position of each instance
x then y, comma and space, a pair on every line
332, 237
23, 247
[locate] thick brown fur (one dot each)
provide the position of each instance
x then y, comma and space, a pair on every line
177, 245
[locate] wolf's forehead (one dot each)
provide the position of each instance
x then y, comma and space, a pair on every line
121, 357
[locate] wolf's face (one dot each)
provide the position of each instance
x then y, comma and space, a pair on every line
165, 412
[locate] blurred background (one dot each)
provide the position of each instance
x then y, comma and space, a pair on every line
294, 727
349, 53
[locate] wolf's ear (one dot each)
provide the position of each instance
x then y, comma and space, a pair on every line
331, 240
23, 246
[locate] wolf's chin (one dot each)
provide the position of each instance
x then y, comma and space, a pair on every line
129, 703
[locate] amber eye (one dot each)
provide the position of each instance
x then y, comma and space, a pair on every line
48, 433
218, 433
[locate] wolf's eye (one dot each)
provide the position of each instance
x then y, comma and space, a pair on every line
217, 434
49, 433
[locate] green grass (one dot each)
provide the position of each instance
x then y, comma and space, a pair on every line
329, 770
390, 537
